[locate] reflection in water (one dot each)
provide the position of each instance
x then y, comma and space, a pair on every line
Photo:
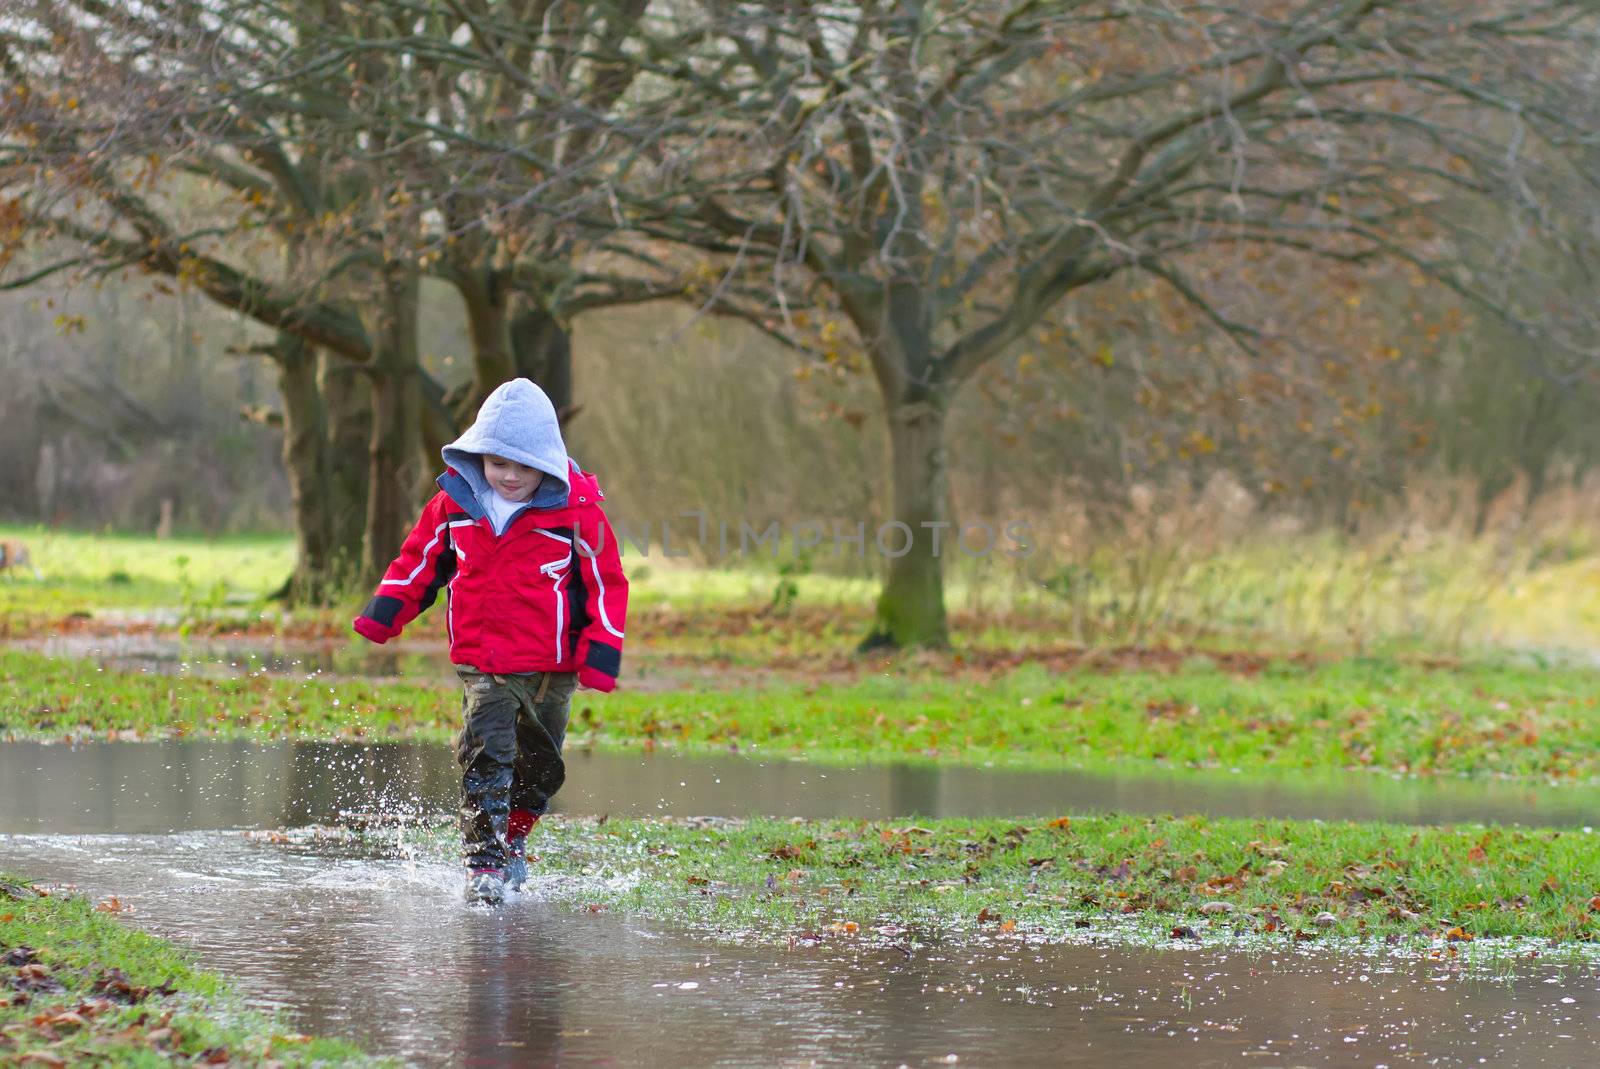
381, 950
174, 786
139, 651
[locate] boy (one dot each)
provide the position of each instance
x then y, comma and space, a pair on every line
536, 606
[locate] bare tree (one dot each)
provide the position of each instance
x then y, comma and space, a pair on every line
358, 149
939, 176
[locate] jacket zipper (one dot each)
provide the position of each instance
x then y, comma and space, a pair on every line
553, 571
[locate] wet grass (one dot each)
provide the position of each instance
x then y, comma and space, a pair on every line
1474, 719
1240, 883
78, 986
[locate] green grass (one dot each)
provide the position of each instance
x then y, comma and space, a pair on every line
83, 987
1235, 882
1471, 720
83, 572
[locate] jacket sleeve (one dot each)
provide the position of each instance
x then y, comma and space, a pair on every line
426, 562
605, 595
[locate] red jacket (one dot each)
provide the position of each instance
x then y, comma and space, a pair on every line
548, 595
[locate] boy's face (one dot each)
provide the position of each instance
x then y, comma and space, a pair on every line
512, 481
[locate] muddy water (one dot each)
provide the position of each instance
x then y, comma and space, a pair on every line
380, 950
418, 659
152, 787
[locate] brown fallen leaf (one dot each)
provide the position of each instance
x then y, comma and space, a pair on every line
94, 1007
35, 977
42, 1057
113, 985
26, 955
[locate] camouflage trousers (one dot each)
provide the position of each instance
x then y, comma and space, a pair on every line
510, 753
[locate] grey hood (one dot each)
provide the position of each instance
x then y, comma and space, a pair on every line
518, 422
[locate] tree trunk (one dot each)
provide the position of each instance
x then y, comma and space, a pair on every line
512, 336
305, 457
395, 471
439, 424
487, 304
347, 406
542, 349
911, 606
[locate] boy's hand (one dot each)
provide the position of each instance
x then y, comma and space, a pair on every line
372, 630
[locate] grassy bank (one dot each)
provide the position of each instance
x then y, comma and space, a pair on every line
81, 987
1470, 719
1290, 588
1159, 880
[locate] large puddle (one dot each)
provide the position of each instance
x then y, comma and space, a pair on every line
380, 949
170, 786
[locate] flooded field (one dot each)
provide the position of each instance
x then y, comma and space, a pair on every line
379, 949
374, 945
165, 786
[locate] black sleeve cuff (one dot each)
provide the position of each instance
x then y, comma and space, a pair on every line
603, 658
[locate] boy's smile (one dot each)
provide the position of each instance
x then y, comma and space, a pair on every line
512, 481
